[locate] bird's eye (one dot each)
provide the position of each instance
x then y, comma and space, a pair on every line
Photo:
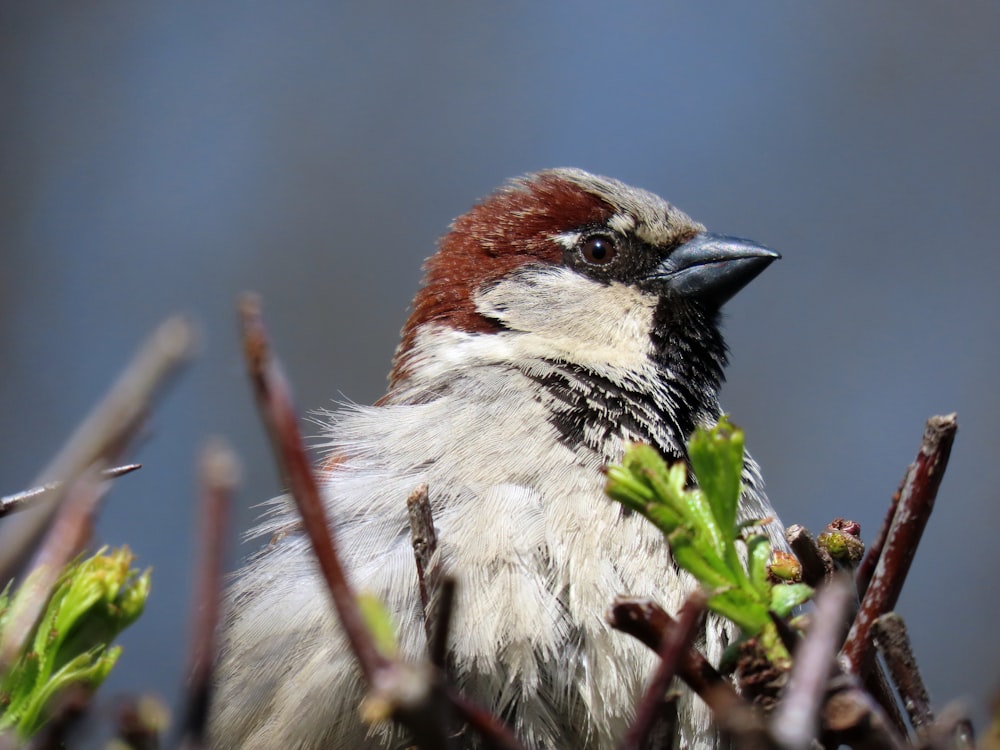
598, 250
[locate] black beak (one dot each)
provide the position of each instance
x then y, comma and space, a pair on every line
712, 268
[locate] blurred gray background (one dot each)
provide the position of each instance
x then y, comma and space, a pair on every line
157, 157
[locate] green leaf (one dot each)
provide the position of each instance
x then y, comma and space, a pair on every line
758, 557
701, 528
740, 607
628, 489
699, 560
785, 597
92, 601
641, 458
664, 518
88, 669
379, 623
645, 484
716, 457
699, 514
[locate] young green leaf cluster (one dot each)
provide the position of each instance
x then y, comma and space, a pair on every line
91, 603
700, 525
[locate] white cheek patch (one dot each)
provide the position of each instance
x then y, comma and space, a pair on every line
560, 314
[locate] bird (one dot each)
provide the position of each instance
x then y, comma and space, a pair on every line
563, 317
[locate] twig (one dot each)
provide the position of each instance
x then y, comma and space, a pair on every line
672, 649
495, 734
423, 537
851, 717
646, 621
893, 643
817, 567
789, 636
219, 477
275, 404
441, 625
120, 471
953, 731
796, 717
104, 432
140, 721
866, 569
257, 353
643, 619
66, 538
914, 509
821, 567
21, 500
437, 592
414, 697
876, 682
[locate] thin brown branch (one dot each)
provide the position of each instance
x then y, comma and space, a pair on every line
21, 500
643, 619
140, 721
441, 624
851, 717
120, 471
437, 592
817, 567
876, 682
822, 567
66, 538
866, 569
413, 696
914, 510
789, 636
646, 621
423, 537
953, 731
103, 433
495, 734
796, 718
419, 697
219, 477
257, 354
275, 403
672, 649
893, 643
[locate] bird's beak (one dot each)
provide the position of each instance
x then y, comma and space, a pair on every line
712, 268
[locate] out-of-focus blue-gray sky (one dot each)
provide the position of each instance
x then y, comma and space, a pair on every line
157, 157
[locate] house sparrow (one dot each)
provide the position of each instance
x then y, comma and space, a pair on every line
560, 318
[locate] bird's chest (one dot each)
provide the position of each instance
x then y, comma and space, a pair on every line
514, 463
524, 523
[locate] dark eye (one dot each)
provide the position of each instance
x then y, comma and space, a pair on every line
599, 250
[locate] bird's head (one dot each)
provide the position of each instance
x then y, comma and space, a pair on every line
568, 267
